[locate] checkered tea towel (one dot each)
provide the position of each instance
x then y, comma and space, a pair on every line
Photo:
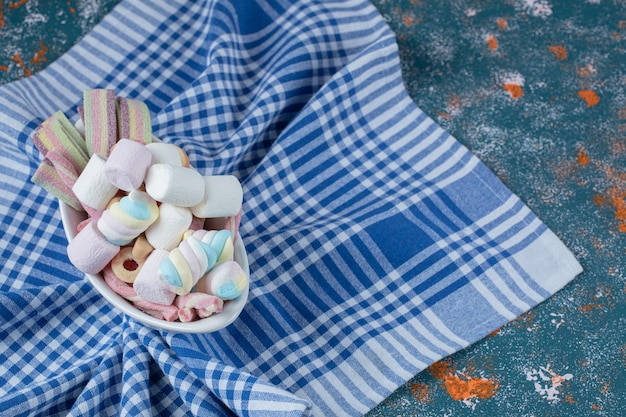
377, 243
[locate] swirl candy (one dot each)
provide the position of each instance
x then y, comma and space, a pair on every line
194, 257
220, 240
227, 281
126, 219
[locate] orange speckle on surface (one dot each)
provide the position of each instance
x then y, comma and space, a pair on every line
559, 52
622, 24
439, 370
583, 158
493, 333
569, 398
460, 389
589, 307
408, 21
17, 4
18, 60
454, 104
590, 97
72, 10
617, 197
514, 90
420, 392
1, 16
4, 68
444, 115
502, 24
492, 43
598, 199
40, 56
596, 407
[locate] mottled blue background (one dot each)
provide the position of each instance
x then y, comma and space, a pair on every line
536, 89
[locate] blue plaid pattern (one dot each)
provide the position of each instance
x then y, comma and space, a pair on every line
377, 243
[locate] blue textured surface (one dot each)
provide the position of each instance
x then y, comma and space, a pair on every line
555, 148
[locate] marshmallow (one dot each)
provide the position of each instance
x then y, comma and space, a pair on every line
167, 231
127, 218
186, 264
176, 185
226, 280
220, 240
127, 164
90, 251
167, 153
148, 285
125, 266
92, 188
223, 197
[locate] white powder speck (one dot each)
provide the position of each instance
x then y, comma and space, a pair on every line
547, 383
558, 320
536, 8
511, 77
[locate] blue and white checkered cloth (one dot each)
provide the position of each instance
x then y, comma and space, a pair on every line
377, 243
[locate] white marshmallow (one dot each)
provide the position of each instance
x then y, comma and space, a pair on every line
167, 153
223, 197
167, 232
176, 185
92, 188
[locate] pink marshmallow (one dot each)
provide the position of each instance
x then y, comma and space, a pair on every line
89, 251
128, 164
148, 285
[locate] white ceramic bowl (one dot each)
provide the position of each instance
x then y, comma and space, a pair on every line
232, 308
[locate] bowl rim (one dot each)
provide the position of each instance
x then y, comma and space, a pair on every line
232, 308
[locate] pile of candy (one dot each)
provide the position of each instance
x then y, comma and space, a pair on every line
150, 229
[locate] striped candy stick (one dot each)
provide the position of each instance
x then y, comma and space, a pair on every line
133, 120
57, 133
64, 167
48, 178
100, 120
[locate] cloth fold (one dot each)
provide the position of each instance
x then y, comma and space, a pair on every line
377, 243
